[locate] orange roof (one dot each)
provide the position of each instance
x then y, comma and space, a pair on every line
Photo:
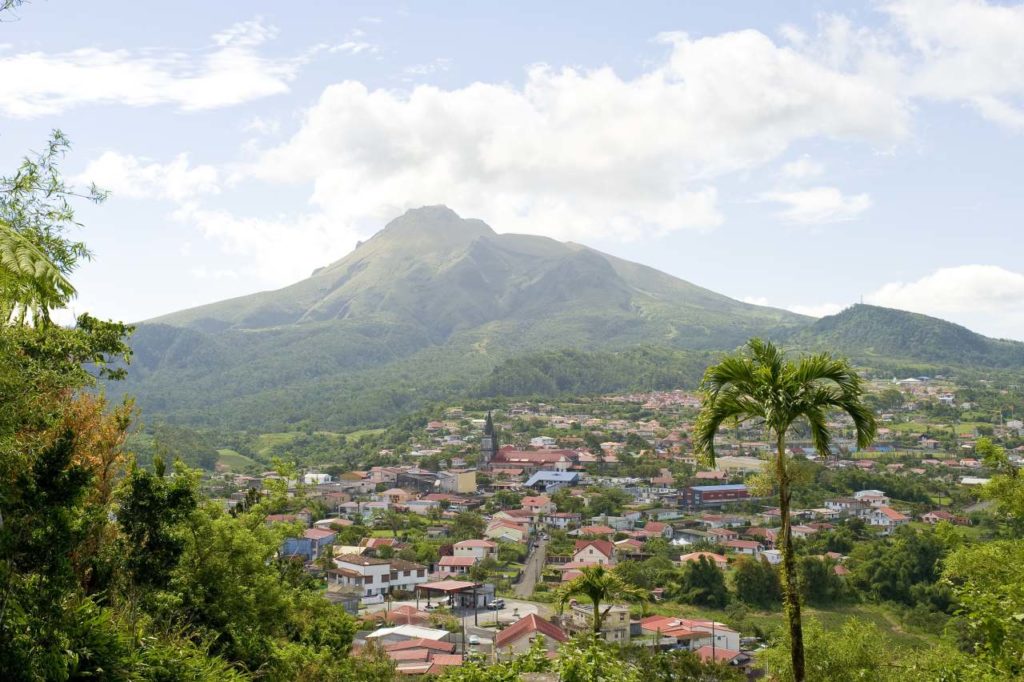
527, 626
603, 546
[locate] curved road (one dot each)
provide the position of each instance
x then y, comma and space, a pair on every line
531, 571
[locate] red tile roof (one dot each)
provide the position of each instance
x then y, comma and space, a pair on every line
527, 626
603, 546
448, 647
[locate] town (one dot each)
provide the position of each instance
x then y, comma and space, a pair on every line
460, 546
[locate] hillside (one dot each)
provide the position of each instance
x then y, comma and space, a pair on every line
874, 335
434, 307
427, 306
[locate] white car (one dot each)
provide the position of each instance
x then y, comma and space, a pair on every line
474, 640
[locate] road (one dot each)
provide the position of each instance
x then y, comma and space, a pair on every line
531, 571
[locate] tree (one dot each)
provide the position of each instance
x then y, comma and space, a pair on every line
757, 582
599, 585
762, 384
701, 582
467, 526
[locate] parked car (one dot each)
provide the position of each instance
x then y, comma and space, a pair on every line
473, 640
497, 604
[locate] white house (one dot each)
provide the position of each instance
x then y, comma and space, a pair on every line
594, 552
478, 549
887, 518
372, 576
455, 565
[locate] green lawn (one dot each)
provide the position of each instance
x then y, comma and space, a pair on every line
266, 441
882, 618
235, 461
355, 435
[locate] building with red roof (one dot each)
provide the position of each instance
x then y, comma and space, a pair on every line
518, 637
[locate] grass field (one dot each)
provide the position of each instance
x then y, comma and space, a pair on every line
266, 441
887, 622
235, 461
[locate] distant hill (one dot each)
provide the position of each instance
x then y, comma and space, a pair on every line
429, 305
435, 307
873, 334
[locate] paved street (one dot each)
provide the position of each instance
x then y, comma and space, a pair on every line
531, 571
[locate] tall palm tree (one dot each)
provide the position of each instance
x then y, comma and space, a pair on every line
599, 585
760, 383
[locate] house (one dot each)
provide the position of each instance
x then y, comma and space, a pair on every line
691, 634
772, 556
457, 481
731, 657
873, 498
594, 552
614, 626
395, 496
518, 638
372, 576
538, 505
938, 515
802, 532
722, 534
848, 506
503, 530
717, 559
322, 538
479, 549
455, 565
406, 575
748, 547
655, 529
562, 520
600, 531
887, 518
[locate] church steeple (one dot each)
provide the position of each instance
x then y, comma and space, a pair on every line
489, 442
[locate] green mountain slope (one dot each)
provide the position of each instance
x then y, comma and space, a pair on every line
426, 307
874, 335
435, 307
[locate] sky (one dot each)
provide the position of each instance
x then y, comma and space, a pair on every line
803, 155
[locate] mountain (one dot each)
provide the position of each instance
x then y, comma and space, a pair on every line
436, 307
427, 306
872, 335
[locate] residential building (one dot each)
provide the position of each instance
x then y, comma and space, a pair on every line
371, 575
478, 549
614, 626
887, 518
519, 637
455, 565
717, 559
594, 552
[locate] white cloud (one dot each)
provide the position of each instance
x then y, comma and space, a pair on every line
134, 178
802, 168
579, 154
756, 300
280, 250
966, 50
986, 298
229, 73
818, 205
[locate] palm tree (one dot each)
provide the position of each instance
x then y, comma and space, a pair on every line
762, 384
393, 520
599, 585
30, 282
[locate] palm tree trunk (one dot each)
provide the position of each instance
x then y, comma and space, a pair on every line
597, 617
790, 593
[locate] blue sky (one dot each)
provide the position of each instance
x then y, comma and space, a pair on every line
802, 155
